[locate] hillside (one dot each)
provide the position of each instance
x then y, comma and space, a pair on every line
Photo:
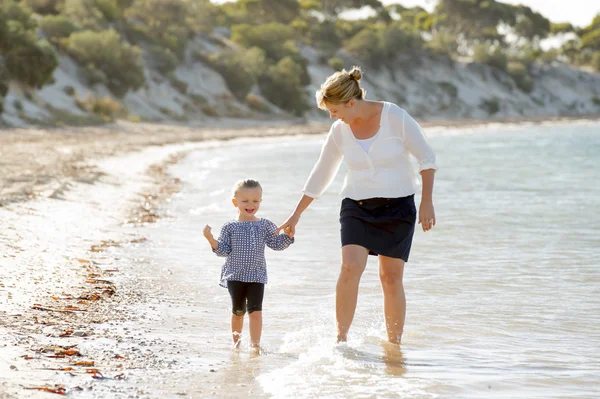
229, 74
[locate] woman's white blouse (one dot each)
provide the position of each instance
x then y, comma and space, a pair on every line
385, 170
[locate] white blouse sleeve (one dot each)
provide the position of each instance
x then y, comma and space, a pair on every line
416, 143
326, 167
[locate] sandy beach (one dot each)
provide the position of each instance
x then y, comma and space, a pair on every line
64, 193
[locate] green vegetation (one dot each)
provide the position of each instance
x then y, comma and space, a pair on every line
259, 43
491, 105
108, 58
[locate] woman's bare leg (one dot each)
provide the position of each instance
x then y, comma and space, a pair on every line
255, 328
391, 271
354, 260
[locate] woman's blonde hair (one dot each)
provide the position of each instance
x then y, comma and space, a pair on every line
341, 87
246, 183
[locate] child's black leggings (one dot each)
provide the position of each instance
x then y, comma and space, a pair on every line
245, 296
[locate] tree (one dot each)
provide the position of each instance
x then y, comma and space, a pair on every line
471, 18
105, 53
561, 28
282, 86
262, 11
273, 38
26, 58
163, 22
529, 24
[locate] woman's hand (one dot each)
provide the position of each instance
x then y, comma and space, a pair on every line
426, 215
289, 226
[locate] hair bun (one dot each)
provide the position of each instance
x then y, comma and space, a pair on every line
355, 73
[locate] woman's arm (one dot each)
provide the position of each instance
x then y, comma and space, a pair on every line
426, 211
417, 145
294, 218
319, 179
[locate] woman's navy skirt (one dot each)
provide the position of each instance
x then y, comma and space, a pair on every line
385, 226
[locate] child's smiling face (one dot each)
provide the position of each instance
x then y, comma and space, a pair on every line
247, 200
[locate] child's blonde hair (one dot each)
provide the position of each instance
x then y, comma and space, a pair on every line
246, 183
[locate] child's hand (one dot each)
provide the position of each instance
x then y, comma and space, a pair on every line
207, 232
288, 231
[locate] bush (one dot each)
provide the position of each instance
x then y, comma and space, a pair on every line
1, 106
591, 40
43, 7
442, 43
281, 85
449, 88
25, 57
162, 59
198, 99
491, 106
596, 61
162, 22
366, 45
85, 13
179, 85
520, 75
273, 38
109, 8
210, 110
57, 27
31, 62
240, 69
18, 104
3, 89
94, 76
494, 57
336, 63
257, 104
550, 55
396, 40
323, 35
69, 90
18, 16
106, 107
104, 52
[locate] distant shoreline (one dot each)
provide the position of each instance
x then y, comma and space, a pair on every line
43, 161
510, 121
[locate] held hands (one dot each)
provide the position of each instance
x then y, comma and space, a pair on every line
426, 215
289, 226
288, 232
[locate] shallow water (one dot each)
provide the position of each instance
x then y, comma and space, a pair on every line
503, 295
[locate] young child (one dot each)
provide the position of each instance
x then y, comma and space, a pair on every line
244, 273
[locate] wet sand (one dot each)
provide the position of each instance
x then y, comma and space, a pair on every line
65, 308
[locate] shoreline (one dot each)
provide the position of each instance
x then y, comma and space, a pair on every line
124, 173
44, 162
63, 313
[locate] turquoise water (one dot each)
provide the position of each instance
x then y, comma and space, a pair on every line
503, 295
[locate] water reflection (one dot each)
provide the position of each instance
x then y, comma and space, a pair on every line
395, 362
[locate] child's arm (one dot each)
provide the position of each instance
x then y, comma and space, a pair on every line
277, 242
222, 246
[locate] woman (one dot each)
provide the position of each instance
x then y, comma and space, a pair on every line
377, 216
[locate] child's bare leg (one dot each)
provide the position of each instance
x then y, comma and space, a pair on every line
237, 323
255, 328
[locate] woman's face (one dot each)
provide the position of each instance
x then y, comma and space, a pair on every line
345, 112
